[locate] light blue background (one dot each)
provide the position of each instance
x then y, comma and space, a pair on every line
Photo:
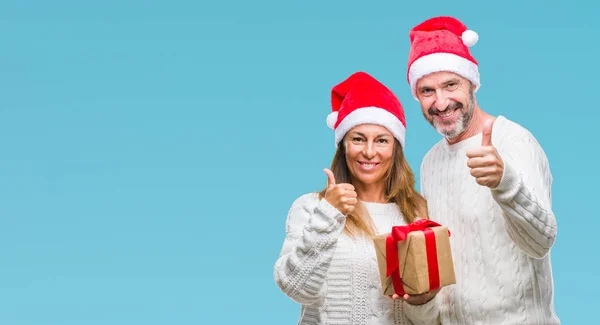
150, 150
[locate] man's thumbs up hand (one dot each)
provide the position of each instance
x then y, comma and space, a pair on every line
341, 196
486, 134
486, 164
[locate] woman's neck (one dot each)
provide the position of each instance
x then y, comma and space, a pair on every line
371, 192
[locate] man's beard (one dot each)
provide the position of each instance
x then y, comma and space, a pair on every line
461, 122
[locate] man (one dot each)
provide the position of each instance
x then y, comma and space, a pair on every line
489, 181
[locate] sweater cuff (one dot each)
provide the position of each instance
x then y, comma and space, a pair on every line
509, 183
428, 310
328, 217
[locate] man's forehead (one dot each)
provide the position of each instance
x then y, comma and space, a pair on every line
438, 78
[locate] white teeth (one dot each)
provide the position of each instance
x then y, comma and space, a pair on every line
368, 166
446, 115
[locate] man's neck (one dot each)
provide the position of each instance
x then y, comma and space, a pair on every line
475, 126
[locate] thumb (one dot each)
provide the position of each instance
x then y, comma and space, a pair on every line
330, 177
486, 136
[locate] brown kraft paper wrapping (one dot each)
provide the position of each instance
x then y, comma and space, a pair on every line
414, 269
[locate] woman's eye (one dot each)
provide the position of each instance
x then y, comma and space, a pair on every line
356, 139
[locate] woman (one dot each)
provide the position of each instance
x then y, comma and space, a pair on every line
328, 262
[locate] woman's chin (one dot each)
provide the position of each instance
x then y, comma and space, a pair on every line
368, 179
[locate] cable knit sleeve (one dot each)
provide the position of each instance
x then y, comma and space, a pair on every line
525, 197
312, 230
425, 314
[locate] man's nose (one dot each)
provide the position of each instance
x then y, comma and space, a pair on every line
441, 101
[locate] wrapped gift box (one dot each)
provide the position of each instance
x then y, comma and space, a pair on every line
415, 258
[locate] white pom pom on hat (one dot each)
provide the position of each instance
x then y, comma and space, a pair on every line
469, 37
331, 119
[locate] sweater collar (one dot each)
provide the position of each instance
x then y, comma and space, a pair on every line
381, 208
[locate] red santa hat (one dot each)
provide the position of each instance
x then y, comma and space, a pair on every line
361, 99
441, 44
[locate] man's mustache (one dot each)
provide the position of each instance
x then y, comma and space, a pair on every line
452, 106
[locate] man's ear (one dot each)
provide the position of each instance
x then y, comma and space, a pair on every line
472, 86
473, 92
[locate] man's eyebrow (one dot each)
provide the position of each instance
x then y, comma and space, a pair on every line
445, 83
453, 80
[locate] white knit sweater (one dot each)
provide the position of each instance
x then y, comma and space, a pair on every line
335, 278
501, 238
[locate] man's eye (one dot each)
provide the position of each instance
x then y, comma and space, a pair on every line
452, 85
